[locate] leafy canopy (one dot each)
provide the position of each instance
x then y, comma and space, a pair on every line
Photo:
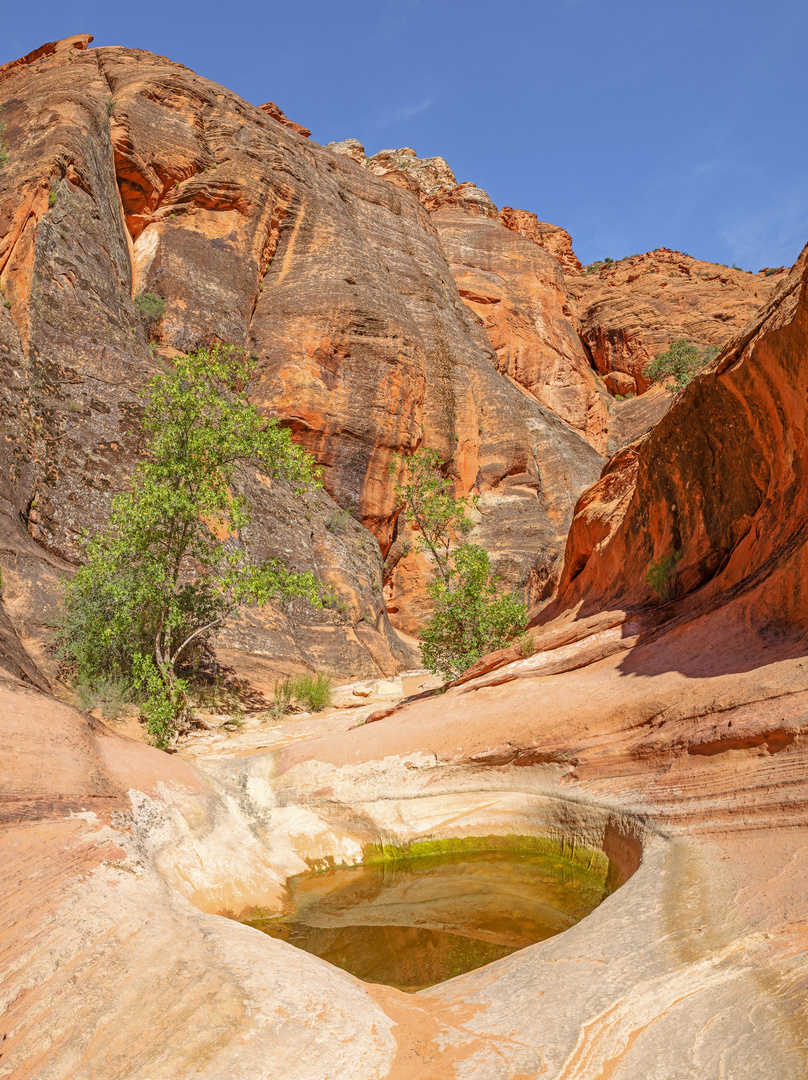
680, 364
471, 614
171, 564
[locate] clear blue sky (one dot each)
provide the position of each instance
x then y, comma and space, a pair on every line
632, 124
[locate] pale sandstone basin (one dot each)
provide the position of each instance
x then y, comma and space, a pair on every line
118, 859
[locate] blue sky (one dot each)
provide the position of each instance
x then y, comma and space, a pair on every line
633, 125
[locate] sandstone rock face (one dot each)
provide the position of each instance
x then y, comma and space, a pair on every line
550, 237
720, 480
273, 110
633, 309
518, 292
130, 175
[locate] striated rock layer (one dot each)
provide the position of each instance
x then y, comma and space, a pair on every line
128, 174
719, 482
632, 309
670, 739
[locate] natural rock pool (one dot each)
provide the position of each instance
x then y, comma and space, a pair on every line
414, 921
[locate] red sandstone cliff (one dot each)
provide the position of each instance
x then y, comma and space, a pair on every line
130, 174
721, 480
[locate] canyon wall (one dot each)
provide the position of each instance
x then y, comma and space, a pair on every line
387, 306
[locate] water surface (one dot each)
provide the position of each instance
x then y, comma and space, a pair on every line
414, 922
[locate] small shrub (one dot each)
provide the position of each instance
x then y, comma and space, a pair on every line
7, 305
661, 575
3, 146
109, 694
152, 308
338, 520
282, 697
112, 105
52, 198
680, 363
527, 644
770, 271
312, 691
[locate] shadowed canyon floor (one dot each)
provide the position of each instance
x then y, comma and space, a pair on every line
662, 741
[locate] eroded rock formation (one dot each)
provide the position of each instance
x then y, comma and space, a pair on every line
131, 175
718, 485
632, 309
670, 737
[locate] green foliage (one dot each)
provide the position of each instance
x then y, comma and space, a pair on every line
112, 105
110, 695
171, 564
282, 698
527, 644
51, 198
680, 363
164, 703
429, 503
771, 270
338, 520
152, 308
472, 616
312, 691
3, 146
661, 575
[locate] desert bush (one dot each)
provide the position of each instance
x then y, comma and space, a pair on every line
109, 694
312, 691
152, 308
472, 615
679, 364
527, 644
282, 698
661, 575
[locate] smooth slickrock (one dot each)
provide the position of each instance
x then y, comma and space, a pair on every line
632, 309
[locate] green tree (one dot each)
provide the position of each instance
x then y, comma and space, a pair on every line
680, 364
171, 564
472, 616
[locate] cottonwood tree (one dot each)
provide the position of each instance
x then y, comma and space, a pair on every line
171, 564
472, 615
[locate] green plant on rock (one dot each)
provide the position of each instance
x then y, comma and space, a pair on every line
661, 575
171, 564
472, 615
430, 504
527, 644
338, 520
282, 698
152, 308
4, 158
312, 691
679, 364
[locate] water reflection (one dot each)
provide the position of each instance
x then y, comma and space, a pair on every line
416, 922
